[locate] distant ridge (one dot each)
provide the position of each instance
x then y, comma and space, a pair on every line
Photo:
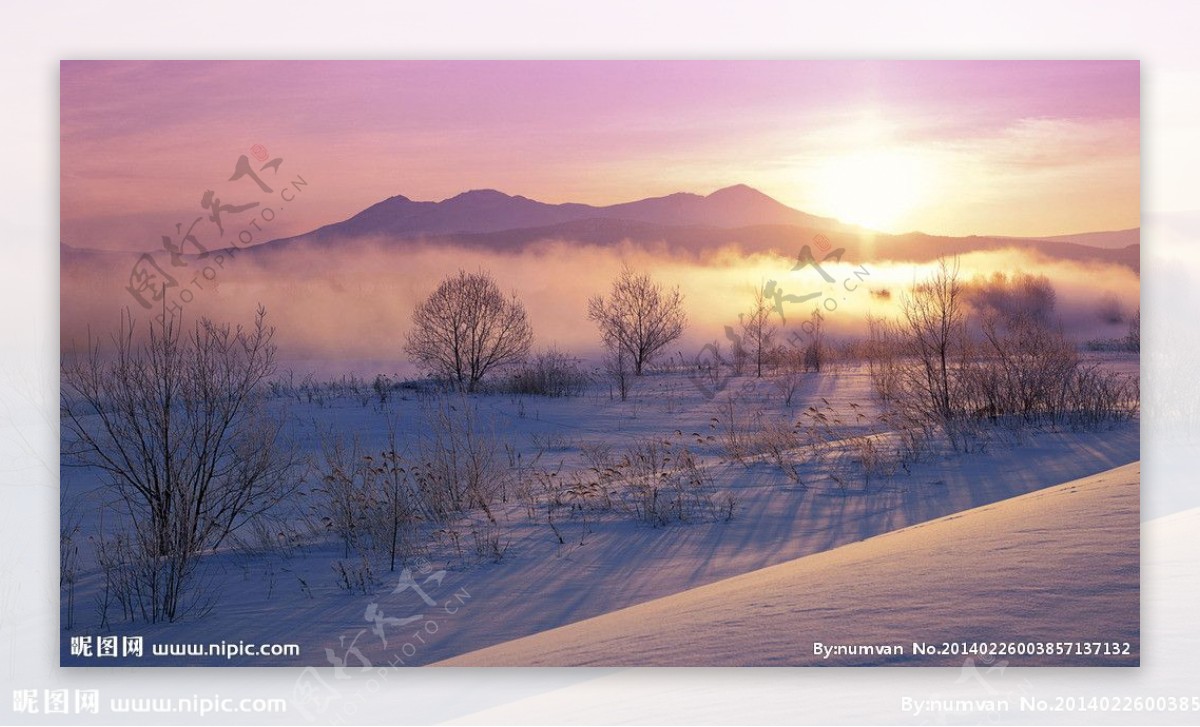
739, 216
1113, 239
488, 210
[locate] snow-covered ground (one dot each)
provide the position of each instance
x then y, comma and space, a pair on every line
281, 587
1058, 565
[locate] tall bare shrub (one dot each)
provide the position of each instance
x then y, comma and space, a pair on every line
177, 422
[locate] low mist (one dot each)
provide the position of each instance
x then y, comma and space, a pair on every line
345, 308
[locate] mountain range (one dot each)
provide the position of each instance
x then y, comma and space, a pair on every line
683, 222
487, 211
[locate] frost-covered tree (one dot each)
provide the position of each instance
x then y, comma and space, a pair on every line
639, 317
176, 421
468, 328
758, 330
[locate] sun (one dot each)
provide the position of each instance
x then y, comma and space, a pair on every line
875, 188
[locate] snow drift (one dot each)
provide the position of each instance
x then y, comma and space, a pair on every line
1057, 565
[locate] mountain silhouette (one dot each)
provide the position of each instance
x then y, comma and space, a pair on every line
737, 216
487, 210
682, 222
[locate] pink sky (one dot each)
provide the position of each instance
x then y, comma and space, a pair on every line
1013, 148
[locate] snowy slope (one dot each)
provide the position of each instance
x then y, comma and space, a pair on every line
1056, 565
288, 592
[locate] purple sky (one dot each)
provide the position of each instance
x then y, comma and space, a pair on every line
1018, 148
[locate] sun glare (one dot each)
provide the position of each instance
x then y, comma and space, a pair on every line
877, 188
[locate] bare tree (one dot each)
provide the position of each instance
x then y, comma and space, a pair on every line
467, 328
616, 367
177, 422
1133, 340
1020, 369
933, 323
814, 350
758, 330
639, 317
883, 349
